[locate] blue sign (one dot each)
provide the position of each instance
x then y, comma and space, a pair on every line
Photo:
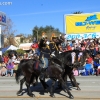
2, 19
85, 36
91, 20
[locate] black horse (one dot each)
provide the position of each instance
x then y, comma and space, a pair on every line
66, 62
29, 70
66, 57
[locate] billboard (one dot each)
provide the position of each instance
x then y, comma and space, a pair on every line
2, 18
82, 23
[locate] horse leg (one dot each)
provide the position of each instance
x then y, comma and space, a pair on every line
28, 78
35, 80
70, 77
44, 85
65, 80
74, 82
52, 88
59, 84
65, 87
21, 86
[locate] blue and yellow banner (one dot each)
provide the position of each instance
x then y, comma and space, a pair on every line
82, 23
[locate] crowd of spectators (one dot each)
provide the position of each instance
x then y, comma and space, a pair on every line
9, 66
92, 66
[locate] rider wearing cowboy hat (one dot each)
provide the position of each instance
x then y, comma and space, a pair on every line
44, 54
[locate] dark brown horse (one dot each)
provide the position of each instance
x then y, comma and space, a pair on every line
29, 70
65, 60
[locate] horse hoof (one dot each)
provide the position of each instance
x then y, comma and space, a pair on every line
78, 89
31, 95
71, 97
19, 93
52, 95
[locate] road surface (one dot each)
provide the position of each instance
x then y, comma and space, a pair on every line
90, 90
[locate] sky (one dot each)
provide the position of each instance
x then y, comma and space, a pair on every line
26, 14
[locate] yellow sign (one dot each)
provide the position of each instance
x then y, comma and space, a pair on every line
82, 23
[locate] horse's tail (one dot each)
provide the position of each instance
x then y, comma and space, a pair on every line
18, 73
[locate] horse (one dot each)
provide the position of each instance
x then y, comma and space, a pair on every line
27, 67
66, 59
68, 72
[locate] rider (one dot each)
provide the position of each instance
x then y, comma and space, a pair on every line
44, 54
54, 44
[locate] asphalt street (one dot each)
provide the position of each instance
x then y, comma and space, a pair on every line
90, 90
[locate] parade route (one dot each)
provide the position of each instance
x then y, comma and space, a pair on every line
90, 90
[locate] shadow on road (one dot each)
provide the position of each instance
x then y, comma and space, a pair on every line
39, 88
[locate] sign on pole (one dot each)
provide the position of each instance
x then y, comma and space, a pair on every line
2, 22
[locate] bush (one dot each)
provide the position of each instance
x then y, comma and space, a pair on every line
20, 52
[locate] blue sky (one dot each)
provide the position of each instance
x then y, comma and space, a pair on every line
25, 14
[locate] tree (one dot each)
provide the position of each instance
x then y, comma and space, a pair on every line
8, 33
47, 29
20, 52
78, 12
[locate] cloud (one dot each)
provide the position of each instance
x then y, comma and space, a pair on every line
56, 11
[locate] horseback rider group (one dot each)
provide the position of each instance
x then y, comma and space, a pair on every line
58, 70
46, 51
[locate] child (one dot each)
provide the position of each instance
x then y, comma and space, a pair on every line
75, 72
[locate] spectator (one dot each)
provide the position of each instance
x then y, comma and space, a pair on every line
90, 61
69, 47
1, 59
75, 71
13, 58
98, 70
3, 70
81, 70
9, 69
6, 59
82, 47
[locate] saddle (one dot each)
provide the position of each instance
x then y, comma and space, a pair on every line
37, 65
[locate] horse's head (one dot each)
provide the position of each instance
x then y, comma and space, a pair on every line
80, 58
